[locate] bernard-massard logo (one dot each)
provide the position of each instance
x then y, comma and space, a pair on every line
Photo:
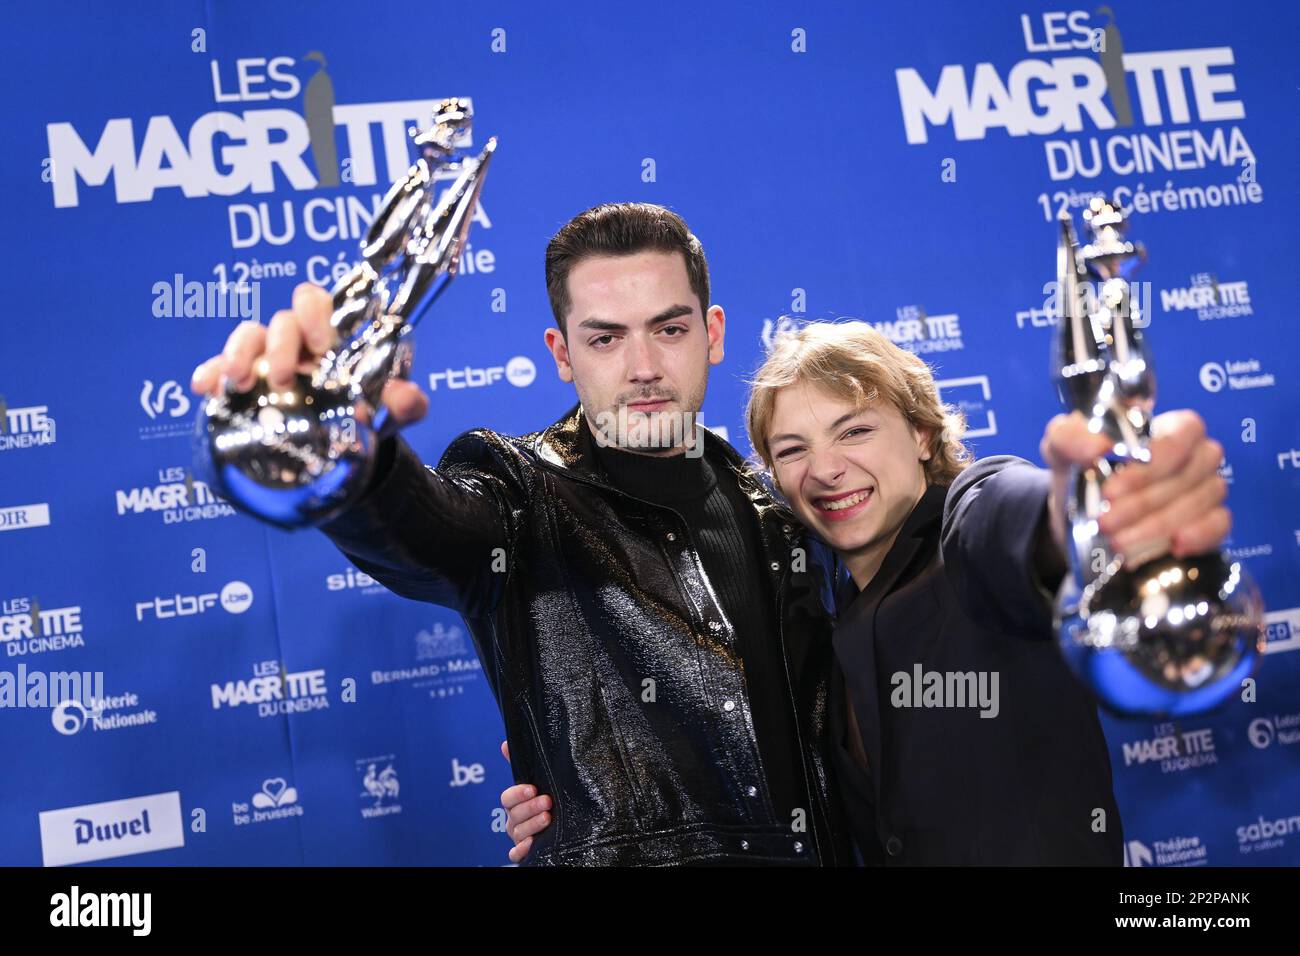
177, 497
28, 628
103, 831
274, 690
274, 800
25, 426
166, 406
445, 663
379, 786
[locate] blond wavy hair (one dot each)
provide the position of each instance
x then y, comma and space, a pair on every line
856, 363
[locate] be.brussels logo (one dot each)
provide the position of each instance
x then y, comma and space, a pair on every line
104, 831
275, 799
235, 597
519, 372
25, 426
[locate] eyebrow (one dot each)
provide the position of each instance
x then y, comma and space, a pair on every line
604, 325
829, 428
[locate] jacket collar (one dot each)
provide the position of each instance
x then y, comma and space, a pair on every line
568, 446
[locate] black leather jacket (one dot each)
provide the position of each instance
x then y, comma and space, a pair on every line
611, 660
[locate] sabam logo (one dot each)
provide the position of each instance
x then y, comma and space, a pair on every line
101, 831
379, 786
236, 597
275, 801
1242, 374
920, 333
169, 391
75, 908
178, 495
519, 371
1266, 834
71, 716
1175, 751
275, 691
25, 427
980, 419
1282, 630
1210, 298
1171, 851
26, 628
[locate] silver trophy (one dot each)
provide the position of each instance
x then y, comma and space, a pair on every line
300, 456
1160, 637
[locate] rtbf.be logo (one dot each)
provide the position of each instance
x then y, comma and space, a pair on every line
236, 597
519, 372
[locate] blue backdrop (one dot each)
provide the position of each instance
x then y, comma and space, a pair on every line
902, 163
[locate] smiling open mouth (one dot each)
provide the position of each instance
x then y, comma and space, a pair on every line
843, 502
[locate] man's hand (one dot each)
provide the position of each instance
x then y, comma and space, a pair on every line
1172, 504
526, 812
296, 340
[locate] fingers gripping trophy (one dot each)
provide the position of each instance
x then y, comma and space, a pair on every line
1160, 637
298, 456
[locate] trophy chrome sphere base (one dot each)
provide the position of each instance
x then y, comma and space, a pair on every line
1171, 638
294, 457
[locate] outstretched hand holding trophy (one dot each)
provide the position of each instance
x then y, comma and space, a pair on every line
296, 409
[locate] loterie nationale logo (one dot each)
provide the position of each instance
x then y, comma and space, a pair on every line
1156, 112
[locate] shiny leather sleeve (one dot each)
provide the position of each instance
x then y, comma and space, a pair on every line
993, 522
440, 535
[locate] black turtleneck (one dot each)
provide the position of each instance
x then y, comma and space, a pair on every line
724, 530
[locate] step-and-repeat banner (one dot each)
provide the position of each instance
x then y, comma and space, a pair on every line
173, 168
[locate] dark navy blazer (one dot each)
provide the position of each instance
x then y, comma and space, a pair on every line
961, 592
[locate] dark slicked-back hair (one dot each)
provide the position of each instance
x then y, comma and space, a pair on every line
621, 229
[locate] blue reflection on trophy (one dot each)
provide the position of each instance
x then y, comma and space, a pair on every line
1152, 637
299, 456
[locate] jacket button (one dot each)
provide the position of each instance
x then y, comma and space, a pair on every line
744, 844
893, 846
752, 790
798, 847
729, 706
785, 528
670, 536
776, 566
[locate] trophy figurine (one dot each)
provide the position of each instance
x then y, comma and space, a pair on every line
300, 456
1157, 637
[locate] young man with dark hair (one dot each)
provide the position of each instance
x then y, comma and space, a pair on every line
650, 623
